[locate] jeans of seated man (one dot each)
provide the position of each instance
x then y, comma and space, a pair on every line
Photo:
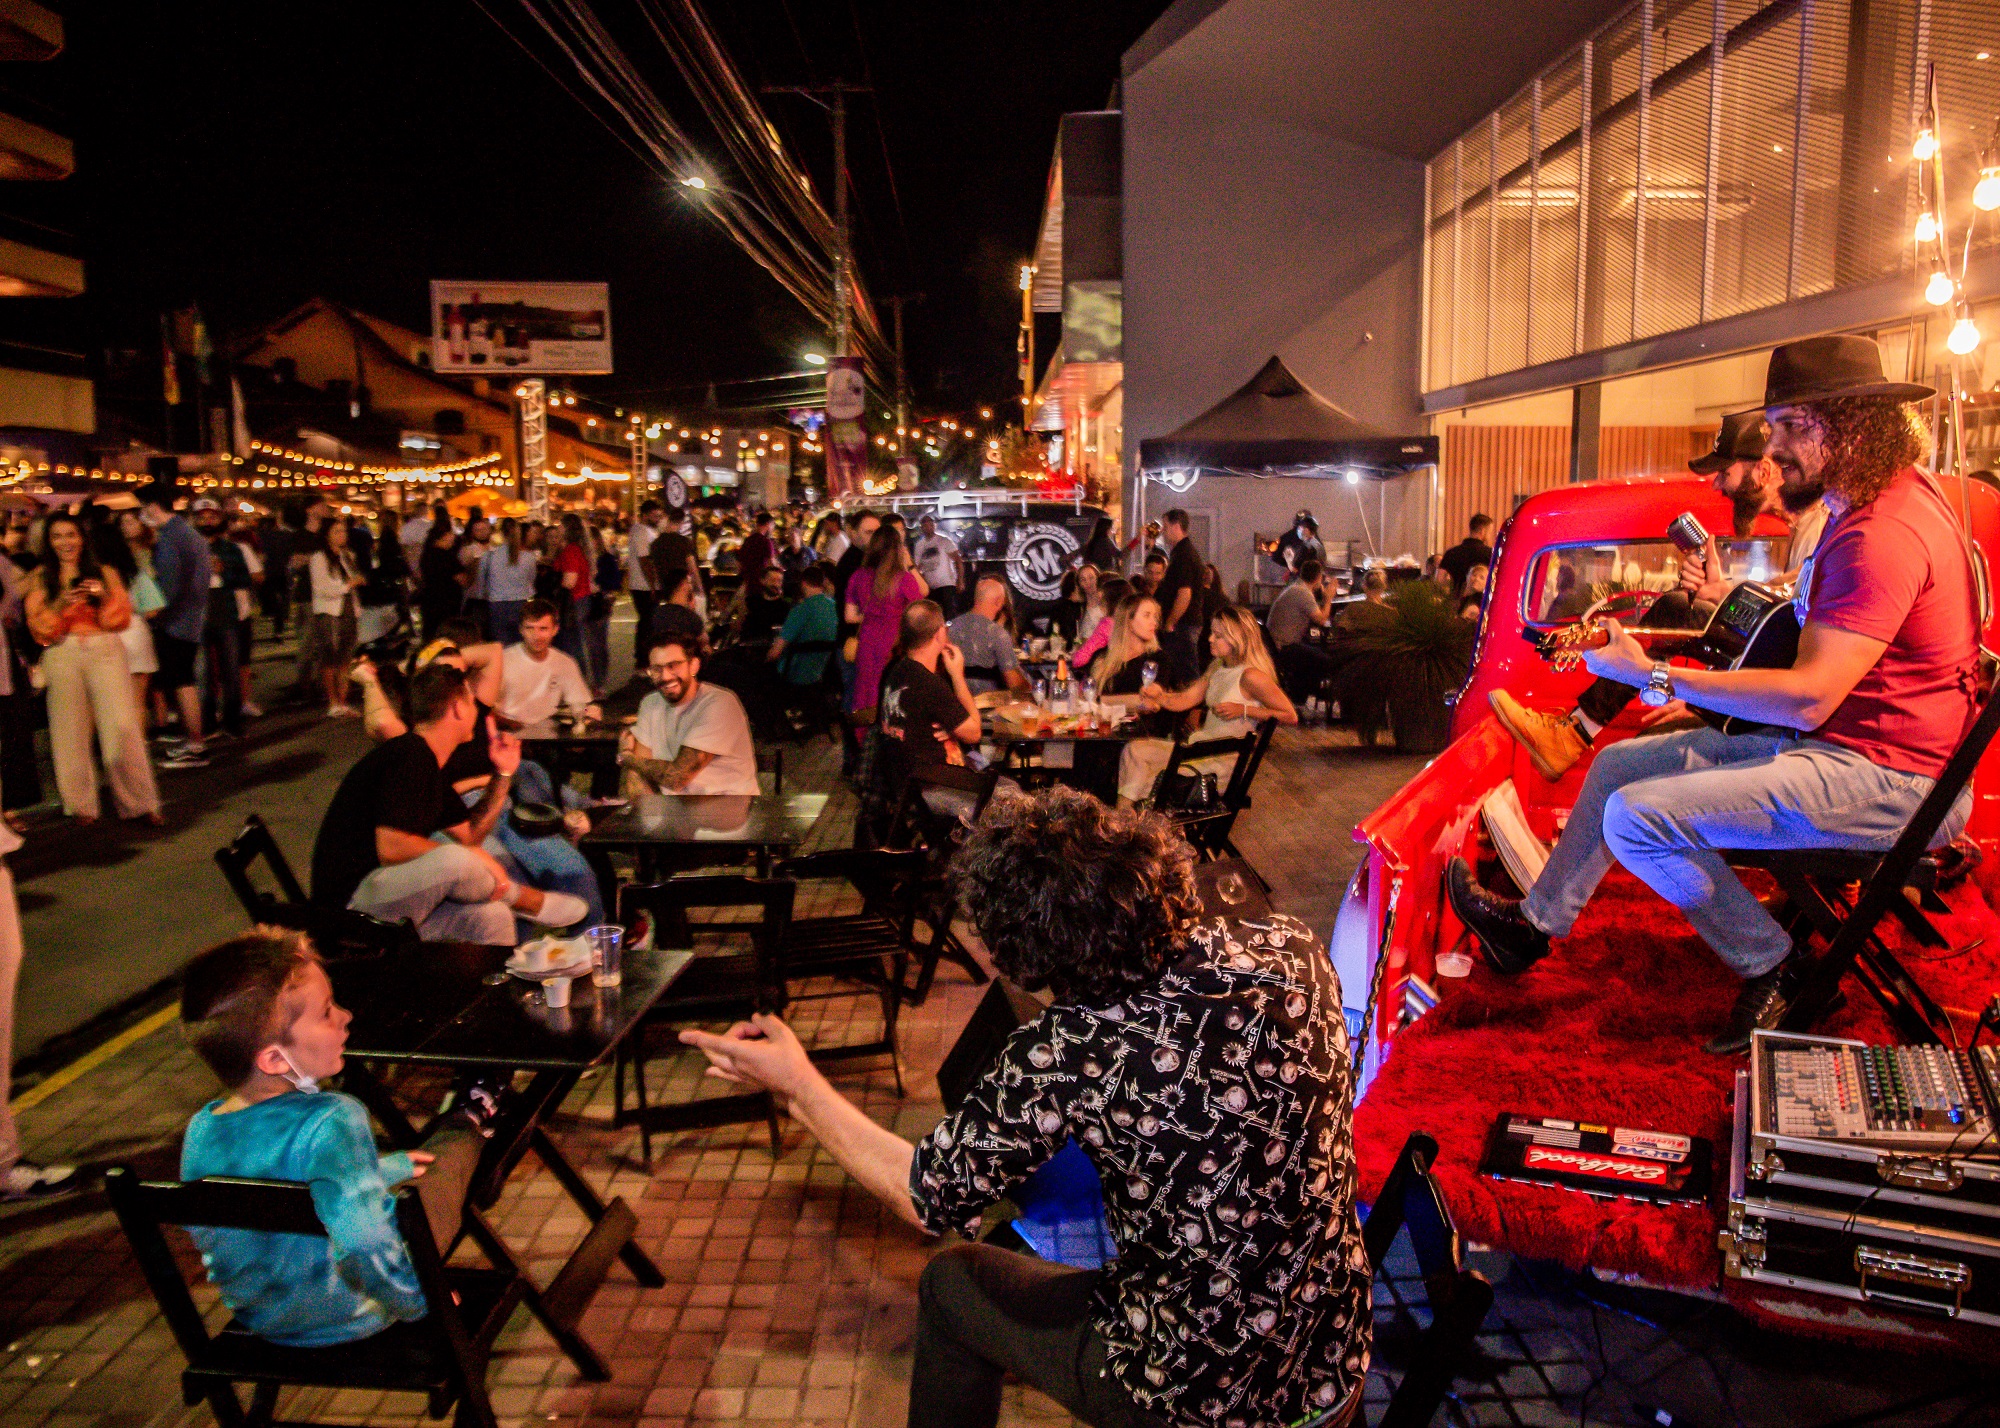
447, 893
551, 863
1662, 804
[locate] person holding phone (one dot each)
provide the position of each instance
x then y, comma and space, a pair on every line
75, 610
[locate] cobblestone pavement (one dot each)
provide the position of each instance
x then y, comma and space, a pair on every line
790, 1295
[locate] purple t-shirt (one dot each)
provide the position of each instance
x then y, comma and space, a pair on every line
1894, 570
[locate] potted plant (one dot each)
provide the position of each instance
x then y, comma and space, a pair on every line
1421, 651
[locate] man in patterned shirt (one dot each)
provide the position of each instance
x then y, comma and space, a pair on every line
1202, 1066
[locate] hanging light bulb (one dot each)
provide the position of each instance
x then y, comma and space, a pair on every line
1986, 193
1926, 146
1964, 337
1927, 227
1938, 291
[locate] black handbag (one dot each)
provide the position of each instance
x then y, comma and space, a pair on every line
1185, 791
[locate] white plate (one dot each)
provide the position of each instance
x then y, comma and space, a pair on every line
572, 958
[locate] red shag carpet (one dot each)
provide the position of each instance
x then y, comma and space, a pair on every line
1608, 1028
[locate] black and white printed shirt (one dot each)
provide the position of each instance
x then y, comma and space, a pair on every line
1216, 1105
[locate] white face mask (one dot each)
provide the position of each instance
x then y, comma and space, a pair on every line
300, 1081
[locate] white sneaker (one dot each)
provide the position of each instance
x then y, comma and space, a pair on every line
559, 909
254, 711
26, 1180
340, 711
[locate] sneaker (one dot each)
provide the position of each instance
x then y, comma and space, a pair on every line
185, 757
1553, 741
559, 909
252, 711
221, 736
475, 1099
340, 711
26, 1180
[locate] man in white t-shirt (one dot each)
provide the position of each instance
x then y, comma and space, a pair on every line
942, 567
691, 737
536, 677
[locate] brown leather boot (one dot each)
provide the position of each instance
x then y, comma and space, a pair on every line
1553, 741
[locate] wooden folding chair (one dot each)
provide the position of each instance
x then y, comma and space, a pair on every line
722, 986
442, 1355
336, 932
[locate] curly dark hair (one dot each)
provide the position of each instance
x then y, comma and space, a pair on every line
1867, 442
1089, 901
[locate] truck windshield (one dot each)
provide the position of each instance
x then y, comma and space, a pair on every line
1566, 580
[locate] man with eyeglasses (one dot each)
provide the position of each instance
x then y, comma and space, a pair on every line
691, 737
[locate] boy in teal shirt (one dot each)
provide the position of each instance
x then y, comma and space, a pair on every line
260, 1012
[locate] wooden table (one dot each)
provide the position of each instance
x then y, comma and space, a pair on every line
438, 1008
1017, 747
688, 830
564, 749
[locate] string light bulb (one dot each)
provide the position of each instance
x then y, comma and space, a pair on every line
1964, 337
1986, 193
1926, 146
1938, 291
1927, 227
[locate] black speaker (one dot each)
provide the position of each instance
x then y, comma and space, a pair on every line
1004, 1009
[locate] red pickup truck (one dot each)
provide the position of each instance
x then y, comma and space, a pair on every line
1557, 550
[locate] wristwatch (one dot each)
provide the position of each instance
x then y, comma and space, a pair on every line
1659, 689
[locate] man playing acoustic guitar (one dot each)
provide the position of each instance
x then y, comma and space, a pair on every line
1750, 479
1860, 726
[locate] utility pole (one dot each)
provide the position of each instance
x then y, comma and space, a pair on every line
843, 255
902, 372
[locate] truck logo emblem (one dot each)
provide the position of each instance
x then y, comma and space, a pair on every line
1037, 555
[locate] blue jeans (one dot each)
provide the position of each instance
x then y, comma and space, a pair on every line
1663, 804
551, 864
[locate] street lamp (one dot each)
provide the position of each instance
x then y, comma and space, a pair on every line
695, 181
815, 359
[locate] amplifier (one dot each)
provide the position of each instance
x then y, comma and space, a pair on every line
1861, 1248
1832, 1121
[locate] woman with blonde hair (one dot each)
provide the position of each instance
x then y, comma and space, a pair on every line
75, 610
1239, 691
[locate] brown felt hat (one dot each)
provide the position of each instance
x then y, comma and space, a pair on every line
1819, 369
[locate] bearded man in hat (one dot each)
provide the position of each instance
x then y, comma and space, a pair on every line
1855, 732
1749, 478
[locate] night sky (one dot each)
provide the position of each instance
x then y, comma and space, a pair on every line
247, 155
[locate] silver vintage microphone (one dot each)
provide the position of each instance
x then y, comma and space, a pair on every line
1687, 534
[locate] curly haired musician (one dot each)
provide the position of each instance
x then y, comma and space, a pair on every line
1750, 479
1859, 727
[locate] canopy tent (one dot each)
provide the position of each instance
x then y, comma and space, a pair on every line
1275, 425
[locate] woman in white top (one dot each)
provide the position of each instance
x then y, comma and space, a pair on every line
137, 636
1239, 690
336, 611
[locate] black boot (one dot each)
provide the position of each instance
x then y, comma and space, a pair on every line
1763, 1002
1511, 943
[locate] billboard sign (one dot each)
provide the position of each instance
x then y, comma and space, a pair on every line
515, 328
846, 436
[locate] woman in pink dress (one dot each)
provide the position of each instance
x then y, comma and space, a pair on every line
876, 595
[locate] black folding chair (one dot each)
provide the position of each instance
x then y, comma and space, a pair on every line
1816, 882
442, 1355
937, 806
815, 705
1458, 1297
336, 932
717, 986
871, 947
1208, 830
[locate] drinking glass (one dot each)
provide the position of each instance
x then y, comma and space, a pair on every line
1231, 888
1149, 673
607, 955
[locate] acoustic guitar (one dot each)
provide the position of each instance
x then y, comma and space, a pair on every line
1755, 627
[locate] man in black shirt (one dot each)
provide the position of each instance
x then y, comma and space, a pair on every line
675, 617
376, 852
1183, 604
926, 712
671, 553
1202, 1066
1471, 551
761, 608
861, 528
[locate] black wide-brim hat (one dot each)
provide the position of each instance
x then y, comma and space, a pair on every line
1742, 438
1821, 369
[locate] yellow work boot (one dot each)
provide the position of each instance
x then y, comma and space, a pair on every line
1553, 741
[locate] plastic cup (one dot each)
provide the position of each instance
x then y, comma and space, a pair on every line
607, 955
555, 991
